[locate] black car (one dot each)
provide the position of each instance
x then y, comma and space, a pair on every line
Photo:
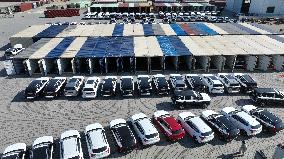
186, 98
123, 135
126, 86
161, 84
247, 83
35, 88
108, 86
270, 122
195, 82
42, 148
74, 86
267, 96
55, 87
227, 129
144, 84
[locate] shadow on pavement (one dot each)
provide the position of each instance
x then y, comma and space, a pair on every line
167, 106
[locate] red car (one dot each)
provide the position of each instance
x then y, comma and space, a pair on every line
168, 125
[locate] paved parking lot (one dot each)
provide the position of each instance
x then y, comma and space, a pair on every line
23, 121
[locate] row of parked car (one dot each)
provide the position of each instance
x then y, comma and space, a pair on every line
227, 125
117, 15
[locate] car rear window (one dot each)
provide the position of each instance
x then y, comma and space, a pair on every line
207, 133
256, 126
217, 85
88, 89
99, 149
151, 135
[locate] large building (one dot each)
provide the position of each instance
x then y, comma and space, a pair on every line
258, 7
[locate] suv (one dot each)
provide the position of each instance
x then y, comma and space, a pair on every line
42, 148
161, 84
196, 127
54, 87
9, 53
98, 146
227, 129
73, 86
177, 82
247, 83
168, 125
212, 83
269, 121
91, 87
125, 139
185, 98
267, 96
35, 88
144, 84
70, 145
195, 82
15, 151
230, 83
243, 120
145, 130
126, 86
108, 86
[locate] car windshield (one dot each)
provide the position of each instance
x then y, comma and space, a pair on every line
213, 77
90, 82
217, 85
98, 150
126, 83
108, 84
40, 152
256, 126
207, 133
144, 82
177, 132
248, 78
225, 123
196, 80
161, 81
151, 135
88, 89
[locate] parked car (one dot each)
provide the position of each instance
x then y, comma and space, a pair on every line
243, 120
182, 99
267, 96
35, 88
177, 82
161, 84
212, 83
16, 49
168, 125
127, 86
145, 130
230, 83
109, 86
54, 87
15, 151
42, 148
269, 121
195, 82
247, 83
70, 145
74, 86
195, 127
144, 84
97, 143
91, 87
125, 139
112, 21
224, 127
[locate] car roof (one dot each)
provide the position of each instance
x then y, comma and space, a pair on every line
70, 147
70, 133
252, 121
160, 113
172, 123
93, 126
139, 76
191, 75
159, 75
184, 115
123, 77
228, 109
17, 146
147, 126
138, 116
112, 77
207, 113
174, 75
265, 90
200, 124
249, 107
97, 138
90, 85
43, 139
117, 121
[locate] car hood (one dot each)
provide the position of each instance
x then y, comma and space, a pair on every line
205, 97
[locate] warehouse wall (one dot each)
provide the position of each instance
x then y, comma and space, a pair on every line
260, 6
234, 5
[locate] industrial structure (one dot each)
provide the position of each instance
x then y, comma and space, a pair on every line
111, 48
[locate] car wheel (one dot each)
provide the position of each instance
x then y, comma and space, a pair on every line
261, 104
204, 106
181, 107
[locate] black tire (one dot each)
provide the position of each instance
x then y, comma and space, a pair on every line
261, 104
181, 107
204, 106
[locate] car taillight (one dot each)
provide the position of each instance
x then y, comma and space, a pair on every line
202, 137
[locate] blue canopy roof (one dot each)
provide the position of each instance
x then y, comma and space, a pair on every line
60, 48
250, 31
51, 32
178, 30
118, 30
148, 30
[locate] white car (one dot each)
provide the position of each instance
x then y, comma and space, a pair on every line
98, 146
230, 83
144, 84
42, 148
109, 86
145, 130
73, 86
124, 137
177, 82
196, 127
91, 87
14, 51
17, 151
243, 120
127, 86
70, 145
213, 84
73, 23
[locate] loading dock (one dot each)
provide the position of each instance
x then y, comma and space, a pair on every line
142, 64
184, 63
65, 65
50, 66
170, 63
157, 64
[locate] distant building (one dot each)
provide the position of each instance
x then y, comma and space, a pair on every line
260, 7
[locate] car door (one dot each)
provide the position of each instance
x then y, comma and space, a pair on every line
139, 130
189, 127
165, 127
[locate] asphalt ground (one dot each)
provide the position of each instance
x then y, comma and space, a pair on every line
23, 121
